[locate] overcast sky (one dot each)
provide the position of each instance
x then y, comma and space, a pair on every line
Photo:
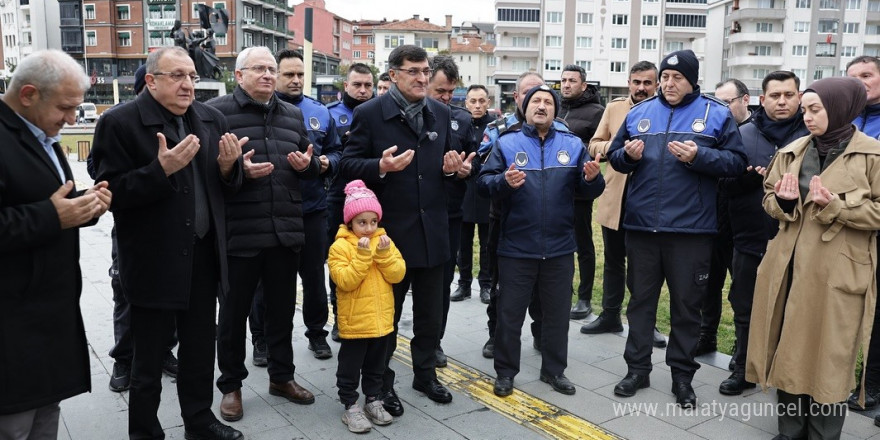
436, 10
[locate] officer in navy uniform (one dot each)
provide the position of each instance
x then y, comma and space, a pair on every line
358, 89
675, 146
441, 87
323, 136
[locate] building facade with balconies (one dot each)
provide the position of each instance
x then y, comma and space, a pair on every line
26, 26
421, 32
604, 37
814, 39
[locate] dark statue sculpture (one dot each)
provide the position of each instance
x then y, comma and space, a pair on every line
200, 43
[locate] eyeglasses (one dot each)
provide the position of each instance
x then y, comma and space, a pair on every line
259, 70
416, 72
178, 76
732, 100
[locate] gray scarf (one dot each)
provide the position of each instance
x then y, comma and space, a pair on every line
412, 111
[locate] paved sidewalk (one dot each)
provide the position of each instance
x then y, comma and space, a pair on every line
534, 411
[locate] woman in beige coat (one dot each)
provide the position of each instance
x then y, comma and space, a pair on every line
815, 292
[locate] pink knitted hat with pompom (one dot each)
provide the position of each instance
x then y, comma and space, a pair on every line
358, 199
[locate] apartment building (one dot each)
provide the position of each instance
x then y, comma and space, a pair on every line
421, 32
475, 59
26, 26
815, 39
604, 37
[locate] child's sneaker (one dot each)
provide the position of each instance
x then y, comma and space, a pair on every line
377, 414
356, 420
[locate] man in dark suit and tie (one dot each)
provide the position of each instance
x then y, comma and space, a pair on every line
410, 187
170, 161
44, 357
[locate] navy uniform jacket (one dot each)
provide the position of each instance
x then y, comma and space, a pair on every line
342, 116
325, 141
537, 219
462, 141
413, 199
663, 193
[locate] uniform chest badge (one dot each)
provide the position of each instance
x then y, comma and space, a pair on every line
563, 157
698, 126
314, 123
454, 125
644, 125
521, 159
343, 119
432, 135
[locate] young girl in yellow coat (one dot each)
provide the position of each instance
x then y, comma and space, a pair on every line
364, 263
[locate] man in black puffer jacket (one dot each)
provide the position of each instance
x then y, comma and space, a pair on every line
264, 227
582, 110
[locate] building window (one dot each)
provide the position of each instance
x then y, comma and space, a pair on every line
827, 26
492, 61
346, 28
26, 39
800, 73
515, 14
765, 4
220, 39
248, 39
618, 43
618, 66
521, 42
763, 51
587, 17
759, 73
392, 41
649, 20
554, 17
872, 29
802, 26
371, 40
91, 38
826, 49
123, 12
763, 27
672, 46
850, 28
195, 10
649, 44
829, 4
249, 12
854, 4
357, 39
552, 65
686, 20
803, 4
521, 65
426, 42
587, 65
848, 51
123, 39
356, 54
699, 2
371, 55
583, 42
553, 41
89, 12
620, 19
873, 5
823, 72
799, 51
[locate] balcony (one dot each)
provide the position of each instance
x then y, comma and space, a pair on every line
871, 38
757, 37
747, 14
504, 51
517, 27
252, 24
754, 60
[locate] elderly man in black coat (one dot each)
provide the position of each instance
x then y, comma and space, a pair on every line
411, 188
170, 223
47, 359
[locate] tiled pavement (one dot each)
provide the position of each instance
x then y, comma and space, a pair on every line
595, 365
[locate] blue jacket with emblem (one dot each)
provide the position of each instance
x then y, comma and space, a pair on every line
537, 219
868, 121
342, 116
665, 194
322, 133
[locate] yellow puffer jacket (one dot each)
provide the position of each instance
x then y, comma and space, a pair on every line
364, 299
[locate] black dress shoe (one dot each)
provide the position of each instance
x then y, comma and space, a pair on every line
735, 384
214, 431
485, 295
434, 389
605, 323
392, 404
559, 383
877, 420
489, 349
684, 394
659, 340
120, 380
503, 386
632, 383
707, 344
871, 397
731, 365
170, 365
462, 293
440, 361
581, 310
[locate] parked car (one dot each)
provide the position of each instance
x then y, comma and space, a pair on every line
86, 112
